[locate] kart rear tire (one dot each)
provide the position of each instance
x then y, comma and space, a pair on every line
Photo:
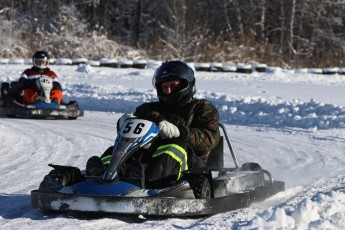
251, 166
206, 192
5, 88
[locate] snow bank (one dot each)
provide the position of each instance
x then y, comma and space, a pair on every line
237, 111
277, 113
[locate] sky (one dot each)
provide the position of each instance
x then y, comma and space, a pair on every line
291, 122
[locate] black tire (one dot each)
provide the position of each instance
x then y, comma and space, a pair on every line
10, 115
72, 118
201, 187
5, 88
53, 212
251, 166
206, 192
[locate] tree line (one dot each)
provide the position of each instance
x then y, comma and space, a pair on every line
286, 33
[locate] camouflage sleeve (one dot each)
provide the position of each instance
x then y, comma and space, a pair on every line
203, 134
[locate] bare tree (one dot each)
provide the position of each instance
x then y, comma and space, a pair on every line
279, 32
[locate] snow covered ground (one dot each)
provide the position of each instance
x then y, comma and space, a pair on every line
290, 122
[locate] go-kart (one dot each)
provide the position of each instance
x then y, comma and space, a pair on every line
12, 105
201, 191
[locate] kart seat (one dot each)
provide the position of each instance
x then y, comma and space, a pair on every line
216, 156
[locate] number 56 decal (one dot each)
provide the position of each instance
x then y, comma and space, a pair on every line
134, 128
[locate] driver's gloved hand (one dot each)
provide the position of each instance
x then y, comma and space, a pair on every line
168, 130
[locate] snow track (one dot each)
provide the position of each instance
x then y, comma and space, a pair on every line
308, 157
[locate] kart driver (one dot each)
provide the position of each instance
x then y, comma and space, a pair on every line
30, 84
189, 128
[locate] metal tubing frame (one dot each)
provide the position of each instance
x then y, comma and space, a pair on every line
230, 146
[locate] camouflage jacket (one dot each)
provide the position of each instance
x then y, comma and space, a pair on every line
197, 122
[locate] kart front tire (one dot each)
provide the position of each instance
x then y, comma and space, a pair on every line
201, 187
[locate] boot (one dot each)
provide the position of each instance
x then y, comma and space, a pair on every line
94, 166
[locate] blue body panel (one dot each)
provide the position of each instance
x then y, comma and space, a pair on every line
117, 188
42, 105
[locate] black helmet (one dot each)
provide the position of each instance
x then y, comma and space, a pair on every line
174, 70
40, 59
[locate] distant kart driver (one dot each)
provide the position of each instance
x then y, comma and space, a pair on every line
39, 83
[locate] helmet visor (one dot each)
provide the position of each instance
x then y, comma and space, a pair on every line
41, 63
